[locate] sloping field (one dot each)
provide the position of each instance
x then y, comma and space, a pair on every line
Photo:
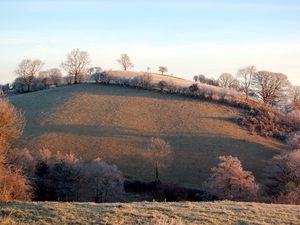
116, 124
149, 213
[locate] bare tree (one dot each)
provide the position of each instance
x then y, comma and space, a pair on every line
77, 64
270, 87
160, 151
230, 181
27, 70
163, 69
226, 80
125, 62
246, 75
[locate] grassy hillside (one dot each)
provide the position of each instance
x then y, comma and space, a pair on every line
225, 212
116, 124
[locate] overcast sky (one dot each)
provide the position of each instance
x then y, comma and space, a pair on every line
189, 37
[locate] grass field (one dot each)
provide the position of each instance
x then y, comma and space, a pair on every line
188, 213
116, 124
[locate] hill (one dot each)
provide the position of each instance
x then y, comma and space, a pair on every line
153, 213
116, 124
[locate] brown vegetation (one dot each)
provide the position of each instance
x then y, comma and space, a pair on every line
13, 185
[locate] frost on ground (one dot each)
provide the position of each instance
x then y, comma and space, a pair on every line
224, 212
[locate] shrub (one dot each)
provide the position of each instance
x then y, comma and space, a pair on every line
230, 181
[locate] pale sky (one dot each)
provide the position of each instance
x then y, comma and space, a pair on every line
189, 37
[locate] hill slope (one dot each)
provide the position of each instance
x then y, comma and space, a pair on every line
116, 124
225, 212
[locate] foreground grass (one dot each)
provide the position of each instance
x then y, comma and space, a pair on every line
224, 212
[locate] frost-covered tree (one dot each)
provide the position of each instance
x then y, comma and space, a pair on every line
27, 70
101, 182
282, 178
245, 76
227, 80
160, 152
230, 181
77, 64
55, 76
270, 87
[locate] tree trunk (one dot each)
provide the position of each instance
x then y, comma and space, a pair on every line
156, 174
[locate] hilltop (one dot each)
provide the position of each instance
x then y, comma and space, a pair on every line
116, 124
224, 212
